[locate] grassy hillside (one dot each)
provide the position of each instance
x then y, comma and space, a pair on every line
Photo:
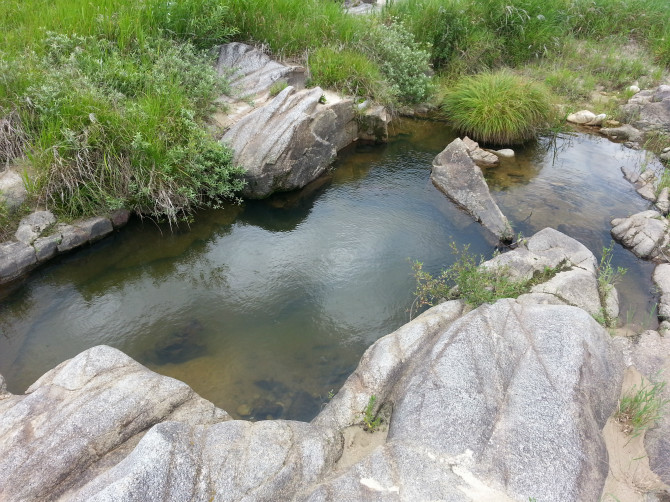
105, 101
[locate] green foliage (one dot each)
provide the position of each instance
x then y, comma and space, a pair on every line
498, 108
608, 276
278, 87
641, 408
115, 128
468, 280
370, 422
349, 72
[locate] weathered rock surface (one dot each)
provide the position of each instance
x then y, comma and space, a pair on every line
625, 132
32, 226
480, 156
645, 234
12, 189
648, 352
15, 259
455, 173
484, 404
254, 72
650, 109
661, 280
581, 117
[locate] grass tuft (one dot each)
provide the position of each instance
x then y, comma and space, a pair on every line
641, 408
498, 108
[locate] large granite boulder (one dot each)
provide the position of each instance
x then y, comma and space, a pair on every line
290, 141
646, 234
456, 174
503, 402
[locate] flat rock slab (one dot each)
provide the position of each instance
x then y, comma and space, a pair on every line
456, 174
32, 226
645, 234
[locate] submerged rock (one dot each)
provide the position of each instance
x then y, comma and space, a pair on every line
181, 345
455, 173
480, 156
625, 132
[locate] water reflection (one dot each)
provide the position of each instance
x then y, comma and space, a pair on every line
264, 308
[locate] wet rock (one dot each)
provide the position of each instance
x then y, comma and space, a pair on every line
461, 180
71, 237
581, 117
266, 409
505, 153
290, 141
32, 226
96, 228
645, 233
373, 124
625, 132
119, 217
16, 258
480, 156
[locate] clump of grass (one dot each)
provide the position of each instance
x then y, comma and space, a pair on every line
498, 108
111, 128
370, 422
641, 408
467, 280
12, 139
278, 87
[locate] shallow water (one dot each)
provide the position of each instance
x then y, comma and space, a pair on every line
267, 307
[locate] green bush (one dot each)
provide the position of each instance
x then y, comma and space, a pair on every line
111, 128
498, 108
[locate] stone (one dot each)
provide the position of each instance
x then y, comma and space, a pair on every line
647, 191
119, 217
71, 237
290, 141
661, 278
581, 117
612, 123
13, 192
648, 352
663, 201
32, 226
505, 153
16, 258
252, 72
597, 120
625, 132
665, 156
645, 234
666, 149
96, 228
480, 156
455, 173
487, 426
650, 109
373, 124
46, 247
634, 89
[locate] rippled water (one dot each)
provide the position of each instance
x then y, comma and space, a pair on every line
265, 308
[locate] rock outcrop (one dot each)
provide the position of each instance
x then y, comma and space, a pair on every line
480, 405
646, 234
456, 174
649, 110
39, 239
287, 140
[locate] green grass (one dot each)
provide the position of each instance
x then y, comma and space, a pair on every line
467, 280
498, 108
370, 422
641, 408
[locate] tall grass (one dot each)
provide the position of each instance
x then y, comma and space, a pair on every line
498, 108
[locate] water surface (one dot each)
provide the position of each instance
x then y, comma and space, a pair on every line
265, 308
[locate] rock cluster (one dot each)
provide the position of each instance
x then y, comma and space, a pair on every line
39, 239
456, 174
481, 405
646, 234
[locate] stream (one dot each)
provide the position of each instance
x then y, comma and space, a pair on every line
266, 308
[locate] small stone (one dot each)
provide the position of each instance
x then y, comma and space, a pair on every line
634, 88
244, 410
505, 153
119, 217
483, 158
666, 149
598, 120
665, 156
647, 191
581, 117
663, 201
612, 123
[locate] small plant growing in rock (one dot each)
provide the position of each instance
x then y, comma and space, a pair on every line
277, 87
641, 408
608, 276
370, 421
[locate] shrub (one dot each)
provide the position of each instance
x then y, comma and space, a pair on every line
640, 408
498, 108
112, 128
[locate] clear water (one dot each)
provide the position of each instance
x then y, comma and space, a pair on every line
267, 307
